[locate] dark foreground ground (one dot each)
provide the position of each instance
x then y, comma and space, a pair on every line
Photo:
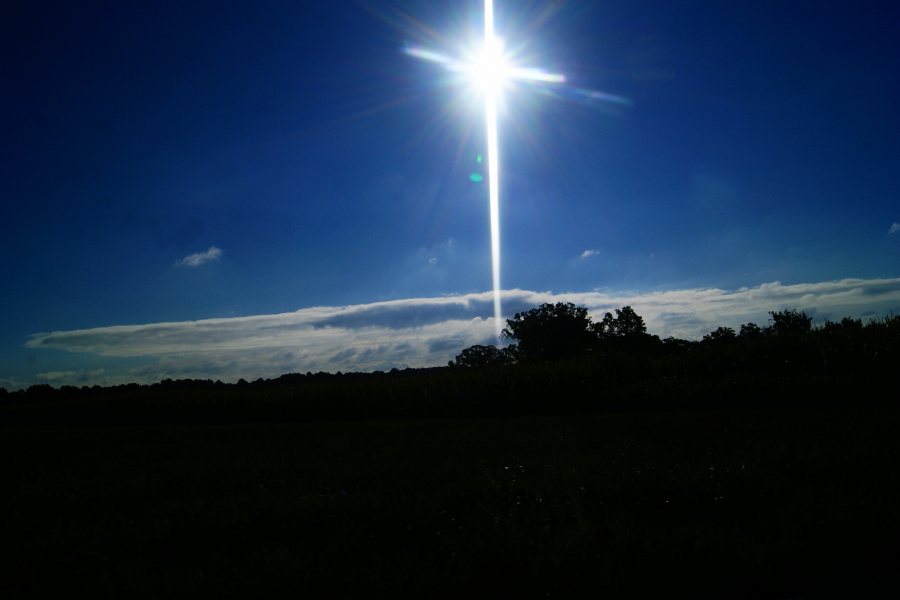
722, 503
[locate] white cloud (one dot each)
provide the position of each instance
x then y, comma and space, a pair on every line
588, 253
894, 228
421, 332
195, 260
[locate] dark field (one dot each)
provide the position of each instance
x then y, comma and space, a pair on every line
730, 503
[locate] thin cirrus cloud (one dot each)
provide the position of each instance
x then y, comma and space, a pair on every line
195, 260
894, 228
588, 253
420, 332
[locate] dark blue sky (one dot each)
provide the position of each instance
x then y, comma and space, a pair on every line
328, 168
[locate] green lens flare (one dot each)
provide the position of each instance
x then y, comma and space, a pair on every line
479, 158
476, 177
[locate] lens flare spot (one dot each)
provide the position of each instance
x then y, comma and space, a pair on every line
476, 177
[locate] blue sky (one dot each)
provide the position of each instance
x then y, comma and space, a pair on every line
271, 166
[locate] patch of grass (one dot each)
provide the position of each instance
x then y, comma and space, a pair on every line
736, 503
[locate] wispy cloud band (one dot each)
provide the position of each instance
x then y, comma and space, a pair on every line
430, 331
195, 260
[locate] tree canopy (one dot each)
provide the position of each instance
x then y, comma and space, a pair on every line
558, 331
722, 335
627, 324
483, 356
563, 330
551, 331
789, 322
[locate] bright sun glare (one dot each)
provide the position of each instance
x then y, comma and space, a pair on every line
491, 69
490, 72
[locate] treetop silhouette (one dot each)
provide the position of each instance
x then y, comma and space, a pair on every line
551, 331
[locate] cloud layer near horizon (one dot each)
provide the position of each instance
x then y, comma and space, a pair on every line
428, 331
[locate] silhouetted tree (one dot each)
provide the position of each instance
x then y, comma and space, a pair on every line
626, 324
789, 322
511, 354
626, 331
41, 392
846, 326
481, 356
674, 345
551, 331
750, 331
721, 335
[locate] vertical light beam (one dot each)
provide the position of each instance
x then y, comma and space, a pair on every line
490, 70
492, 59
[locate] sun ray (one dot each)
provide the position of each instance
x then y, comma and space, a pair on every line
491, 71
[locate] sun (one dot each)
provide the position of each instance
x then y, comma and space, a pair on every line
491, 69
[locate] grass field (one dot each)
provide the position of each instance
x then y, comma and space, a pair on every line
724, 503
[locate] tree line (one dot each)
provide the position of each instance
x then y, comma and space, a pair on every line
44, 392
559, 346
562, 331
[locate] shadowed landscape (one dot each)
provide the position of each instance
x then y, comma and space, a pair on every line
588, 458
258, 260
